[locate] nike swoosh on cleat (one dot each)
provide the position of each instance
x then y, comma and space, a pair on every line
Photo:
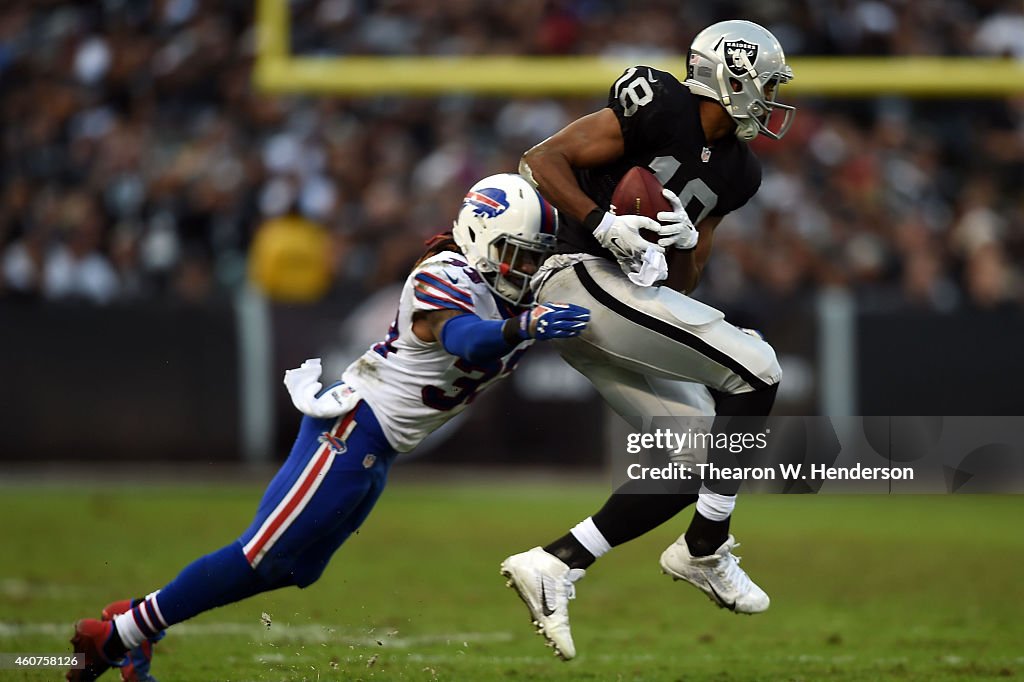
721, 602
545, 609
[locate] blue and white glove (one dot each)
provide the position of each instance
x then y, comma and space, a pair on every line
675, 227
553, 321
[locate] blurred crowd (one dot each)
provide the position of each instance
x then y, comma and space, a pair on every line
139, 162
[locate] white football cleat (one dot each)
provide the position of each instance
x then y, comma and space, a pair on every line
546, 585
717, 575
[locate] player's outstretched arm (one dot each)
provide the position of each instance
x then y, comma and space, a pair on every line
467, 336
592, 140
427, 325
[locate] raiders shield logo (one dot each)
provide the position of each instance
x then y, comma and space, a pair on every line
733, 50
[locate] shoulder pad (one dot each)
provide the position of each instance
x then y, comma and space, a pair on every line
445, 280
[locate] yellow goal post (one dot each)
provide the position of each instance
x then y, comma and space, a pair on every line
277, 70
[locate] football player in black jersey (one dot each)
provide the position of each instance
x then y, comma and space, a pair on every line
652, 351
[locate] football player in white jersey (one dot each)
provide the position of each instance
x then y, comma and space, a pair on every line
464, 319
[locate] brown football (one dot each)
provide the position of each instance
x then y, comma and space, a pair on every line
639, 193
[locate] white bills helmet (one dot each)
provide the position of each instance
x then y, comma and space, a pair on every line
504, 222
741, 66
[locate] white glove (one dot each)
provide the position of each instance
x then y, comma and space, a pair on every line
675, 226
642, 261
303, 383
653, 267
620, 234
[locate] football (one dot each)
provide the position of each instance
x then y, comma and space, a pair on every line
639, 193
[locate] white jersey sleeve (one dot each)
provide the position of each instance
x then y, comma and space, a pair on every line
446, 284
414, 386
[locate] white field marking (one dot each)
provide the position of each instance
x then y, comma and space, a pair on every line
16, 588
305, 656
843, 659
272, 658
619, 659
644, 657
628, 659
309, 633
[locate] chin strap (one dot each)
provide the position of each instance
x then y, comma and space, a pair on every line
747, 129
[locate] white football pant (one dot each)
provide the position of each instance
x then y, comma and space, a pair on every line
652, 351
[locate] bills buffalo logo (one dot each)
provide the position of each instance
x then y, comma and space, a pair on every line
335, 444
734, 49
489, 202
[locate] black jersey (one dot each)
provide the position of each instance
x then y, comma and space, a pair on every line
661, 130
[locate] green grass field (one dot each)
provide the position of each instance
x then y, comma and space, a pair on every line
863, 588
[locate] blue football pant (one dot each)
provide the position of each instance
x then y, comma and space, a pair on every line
326, 488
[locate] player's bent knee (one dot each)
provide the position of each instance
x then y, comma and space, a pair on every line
307, 574
773, 373
765, 363
274, 572
286, 572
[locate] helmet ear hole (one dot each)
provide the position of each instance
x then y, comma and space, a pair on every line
736, 85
